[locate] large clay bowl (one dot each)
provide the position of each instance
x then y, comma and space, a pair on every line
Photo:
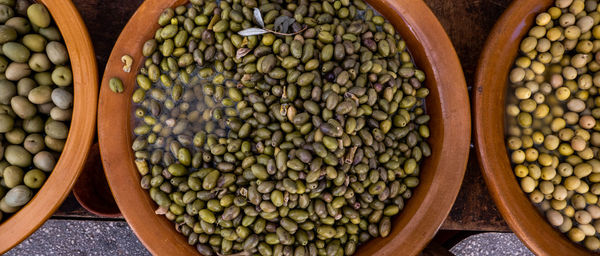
489, 105
442, 172
59, 183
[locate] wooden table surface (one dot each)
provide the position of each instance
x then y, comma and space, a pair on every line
467, 22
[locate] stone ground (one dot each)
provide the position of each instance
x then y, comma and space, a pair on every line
491, 244
80, 238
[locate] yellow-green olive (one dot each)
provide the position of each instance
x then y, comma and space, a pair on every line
559, 193
554, 217
528, 184
572, 183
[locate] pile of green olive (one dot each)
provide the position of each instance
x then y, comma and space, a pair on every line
552, 110
278, 128
36, 100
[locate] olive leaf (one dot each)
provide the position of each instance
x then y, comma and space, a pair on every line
278, 22
281, 26
252, 32
242, 52
288, 23
283, 23
258, 18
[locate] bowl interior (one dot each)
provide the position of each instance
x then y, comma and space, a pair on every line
91, 189
81, 133
489, 106
441, 176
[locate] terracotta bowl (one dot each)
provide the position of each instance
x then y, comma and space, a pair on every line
489, 107
59, 183
442, 172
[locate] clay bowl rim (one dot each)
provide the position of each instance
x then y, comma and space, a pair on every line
59, 183
423, 214
497, 58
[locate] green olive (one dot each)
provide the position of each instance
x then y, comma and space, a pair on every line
35, 42
39, 62
39, 15
40, 95
34, 179
16, 52
44, 161
20, 24
18, 196
62, 98
7, 91
7, 34
17, 155
13, 176
62, 76
57, 53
